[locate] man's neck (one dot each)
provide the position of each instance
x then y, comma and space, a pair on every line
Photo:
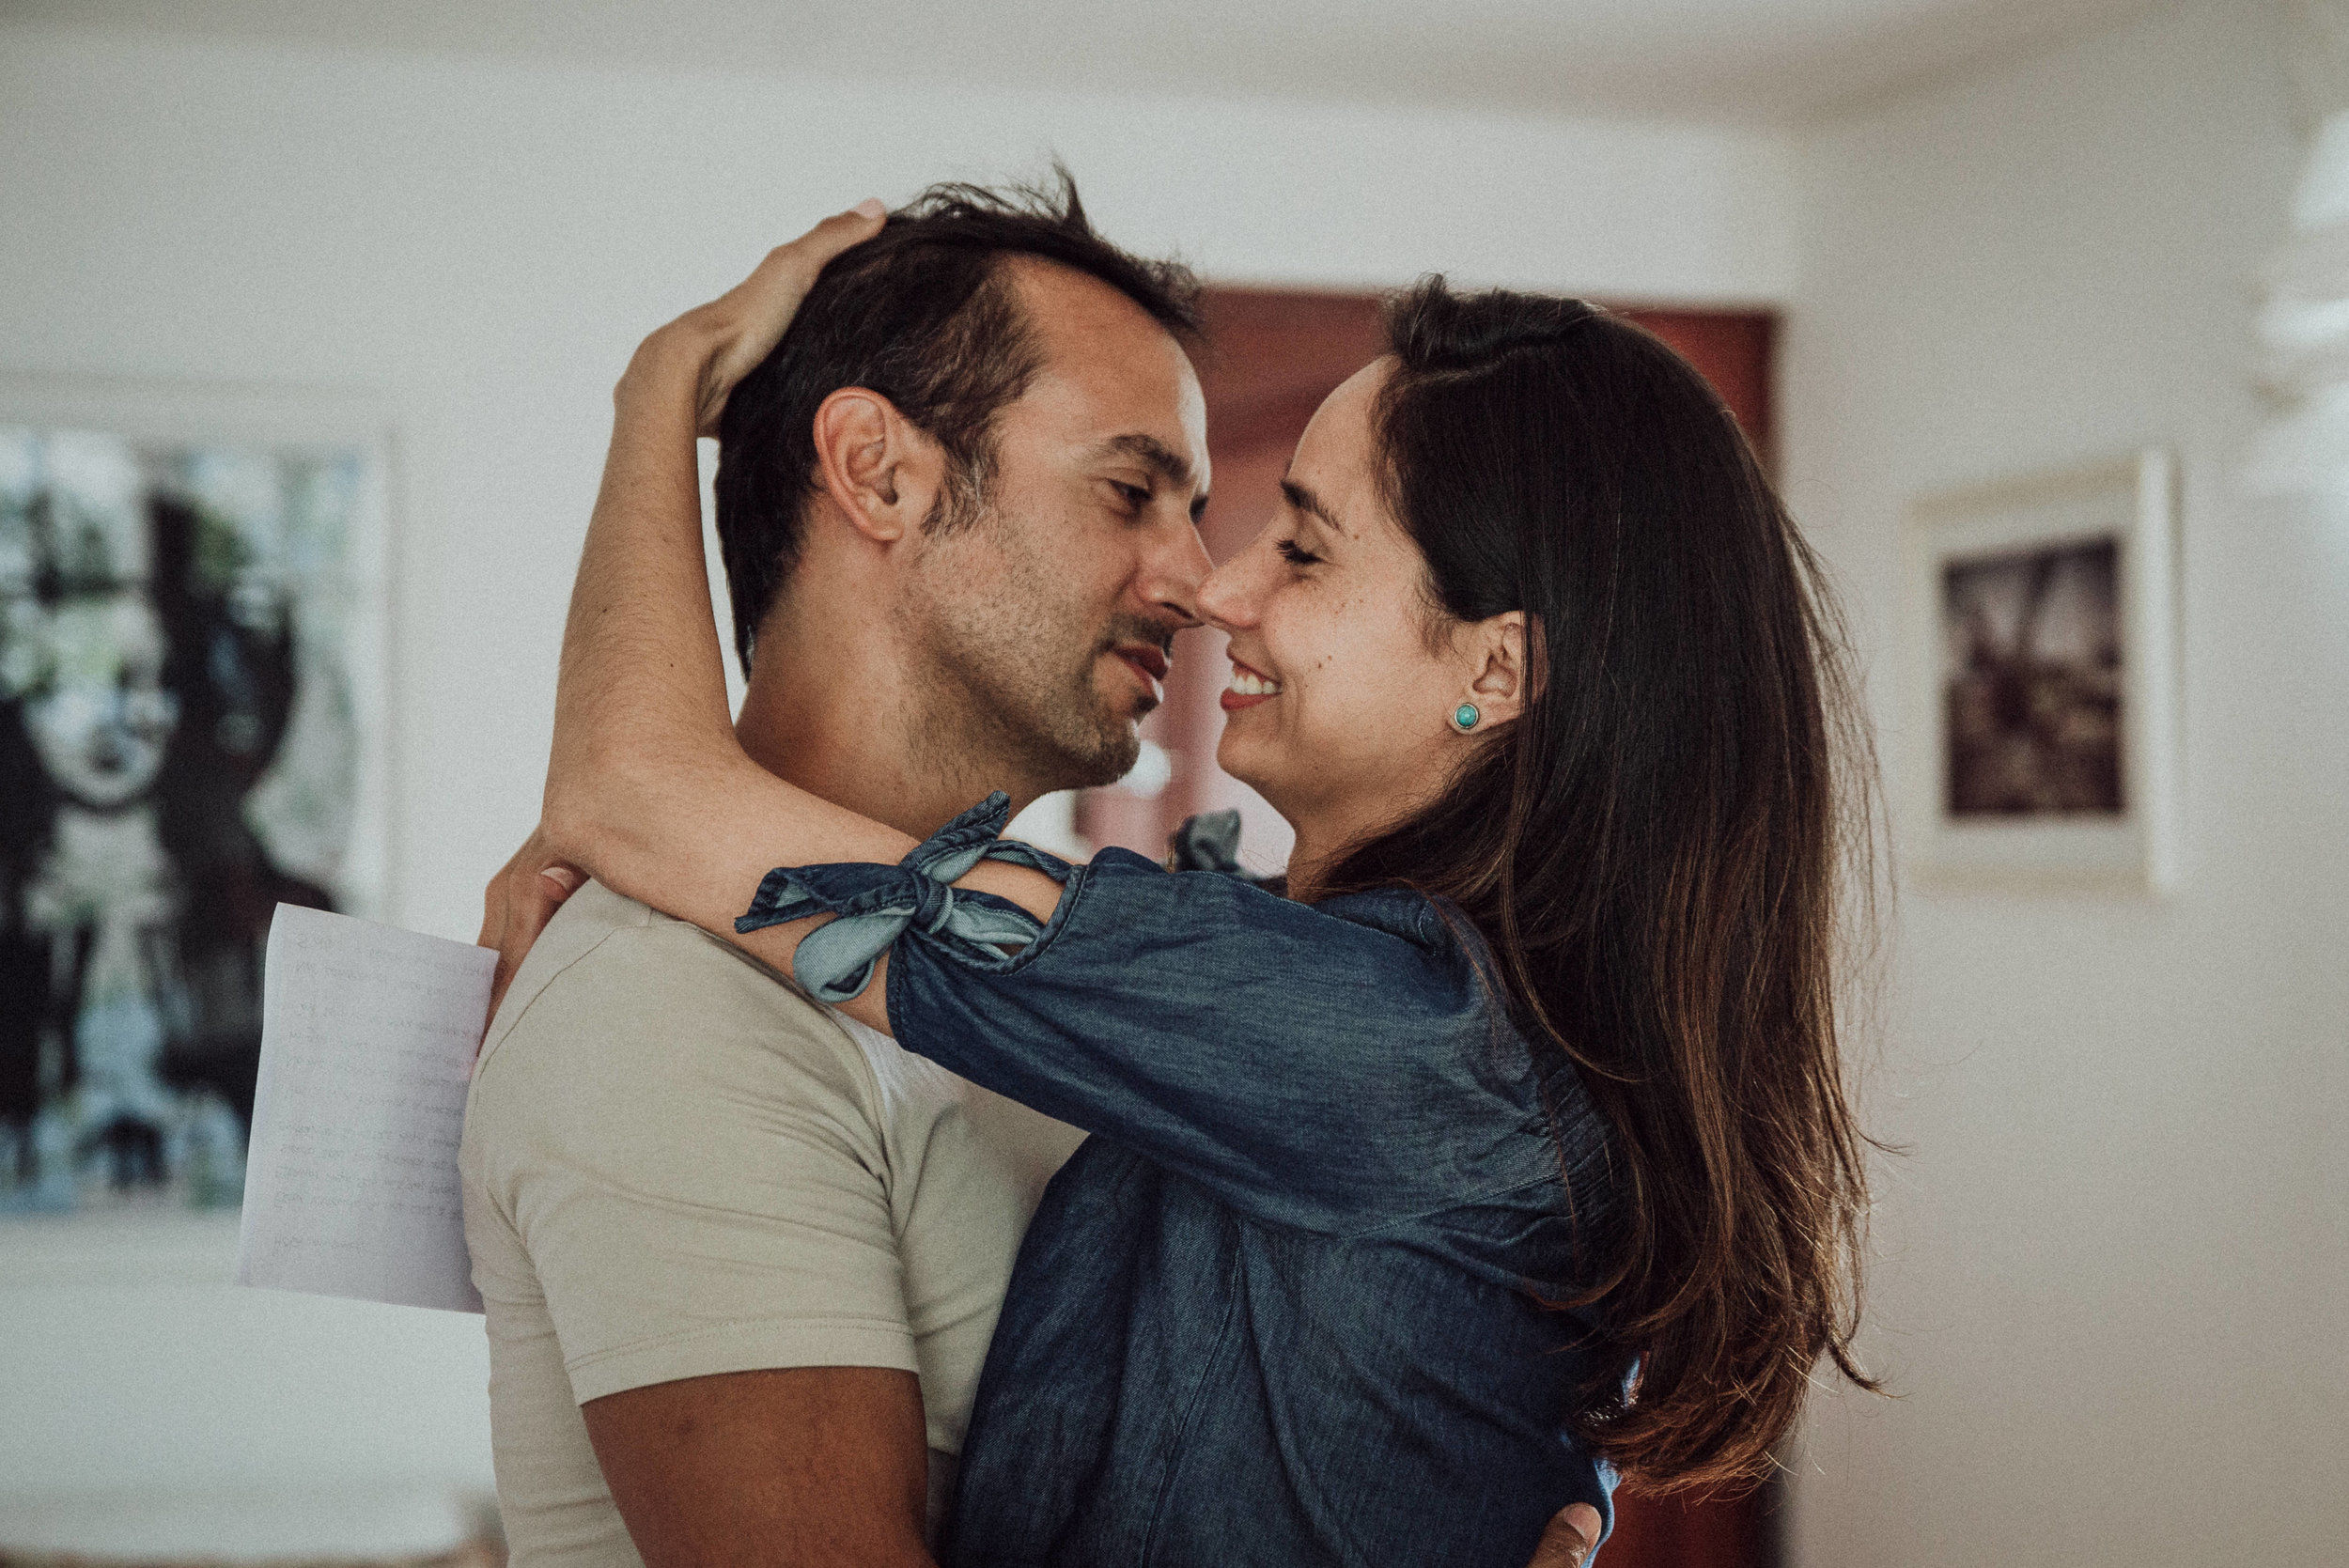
852, 732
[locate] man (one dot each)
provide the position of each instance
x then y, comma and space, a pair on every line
740, 1256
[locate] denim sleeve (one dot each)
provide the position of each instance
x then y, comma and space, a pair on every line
1325, 1066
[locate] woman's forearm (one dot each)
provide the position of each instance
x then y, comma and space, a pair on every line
648, 788
640, 702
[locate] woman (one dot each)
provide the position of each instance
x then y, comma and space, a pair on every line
1504, 1150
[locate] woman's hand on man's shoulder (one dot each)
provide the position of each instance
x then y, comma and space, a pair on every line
1571, 1535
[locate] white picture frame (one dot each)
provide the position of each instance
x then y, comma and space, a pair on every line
2041, 650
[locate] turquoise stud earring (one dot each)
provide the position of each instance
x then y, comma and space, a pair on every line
1464, 717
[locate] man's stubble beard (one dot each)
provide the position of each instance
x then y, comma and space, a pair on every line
1010, 677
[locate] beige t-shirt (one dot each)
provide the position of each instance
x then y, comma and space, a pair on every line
677, 1164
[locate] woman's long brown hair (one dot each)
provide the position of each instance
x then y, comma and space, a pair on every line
1660, 852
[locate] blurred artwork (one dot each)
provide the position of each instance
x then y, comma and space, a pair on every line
2032, 685
180, 752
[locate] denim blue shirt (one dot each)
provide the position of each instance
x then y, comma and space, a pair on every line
1284, 1307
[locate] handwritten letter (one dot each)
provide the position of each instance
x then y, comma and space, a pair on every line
368, 1037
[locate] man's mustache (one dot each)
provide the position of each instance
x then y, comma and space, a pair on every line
1131, 630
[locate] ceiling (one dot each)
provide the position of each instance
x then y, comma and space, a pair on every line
1753, 61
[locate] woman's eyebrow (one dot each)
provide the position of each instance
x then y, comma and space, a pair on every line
1311, 505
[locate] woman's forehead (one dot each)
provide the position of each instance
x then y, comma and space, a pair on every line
1336, 457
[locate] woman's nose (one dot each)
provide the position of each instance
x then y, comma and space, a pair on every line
1227, 599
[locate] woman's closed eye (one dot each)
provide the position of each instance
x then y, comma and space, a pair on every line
1295, 554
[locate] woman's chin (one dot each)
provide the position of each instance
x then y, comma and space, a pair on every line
1253, 764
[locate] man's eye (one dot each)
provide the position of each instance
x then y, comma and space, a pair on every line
1295, 554
1133, 495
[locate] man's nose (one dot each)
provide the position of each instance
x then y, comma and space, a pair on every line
1174, 571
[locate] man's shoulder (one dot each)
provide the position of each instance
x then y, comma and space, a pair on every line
630, 1042
611, 981
607, 942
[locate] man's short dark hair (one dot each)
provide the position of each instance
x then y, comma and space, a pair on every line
923, 313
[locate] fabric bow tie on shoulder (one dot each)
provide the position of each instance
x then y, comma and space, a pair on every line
877, 902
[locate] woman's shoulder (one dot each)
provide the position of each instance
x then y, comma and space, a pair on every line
1204, 856
1125, 887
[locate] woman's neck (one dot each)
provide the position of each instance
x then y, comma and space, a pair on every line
1323, 841
1328, 831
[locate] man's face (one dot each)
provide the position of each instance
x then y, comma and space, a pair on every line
1048, 620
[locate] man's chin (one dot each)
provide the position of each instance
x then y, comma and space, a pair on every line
1117, 733
1111, 763
1088, 738
1109, 753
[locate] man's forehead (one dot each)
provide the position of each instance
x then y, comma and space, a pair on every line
1107, 356
1056, 294
1081, 318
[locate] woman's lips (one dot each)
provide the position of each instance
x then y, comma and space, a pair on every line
1248, 685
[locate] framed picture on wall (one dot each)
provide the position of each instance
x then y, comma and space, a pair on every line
192, 731
2041, 648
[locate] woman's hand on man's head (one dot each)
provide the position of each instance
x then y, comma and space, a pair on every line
716, 344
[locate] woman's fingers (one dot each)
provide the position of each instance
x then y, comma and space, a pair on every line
493, 900
1573, 1530
518, 902
749, 320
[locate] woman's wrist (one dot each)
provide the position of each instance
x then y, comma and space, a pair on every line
668, 369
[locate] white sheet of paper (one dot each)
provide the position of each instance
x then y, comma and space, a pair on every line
367, 1040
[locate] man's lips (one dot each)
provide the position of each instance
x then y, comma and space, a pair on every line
1151, 661
1148, 662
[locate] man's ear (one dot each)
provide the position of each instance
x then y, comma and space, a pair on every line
1503, 682
883, 474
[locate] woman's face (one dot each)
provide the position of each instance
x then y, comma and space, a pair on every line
98, 713
1339, 700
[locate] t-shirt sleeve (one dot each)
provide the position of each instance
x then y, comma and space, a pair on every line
1329, 1067
698, 1175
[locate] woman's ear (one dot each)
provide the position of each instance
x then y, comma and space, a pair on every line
881, 473
1500, 688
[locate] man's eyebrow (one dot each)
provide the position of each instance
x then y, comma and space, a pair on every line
1154, 454
1311, 505
1161, 460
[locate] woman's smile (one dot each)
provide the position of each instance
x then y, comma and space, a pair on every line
1248, 688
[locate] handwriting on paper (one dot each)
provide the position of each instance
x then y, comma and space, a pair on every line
368, 1039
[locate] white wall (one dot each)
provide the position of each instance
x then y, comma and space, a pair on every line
480, 245
2113, 1294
